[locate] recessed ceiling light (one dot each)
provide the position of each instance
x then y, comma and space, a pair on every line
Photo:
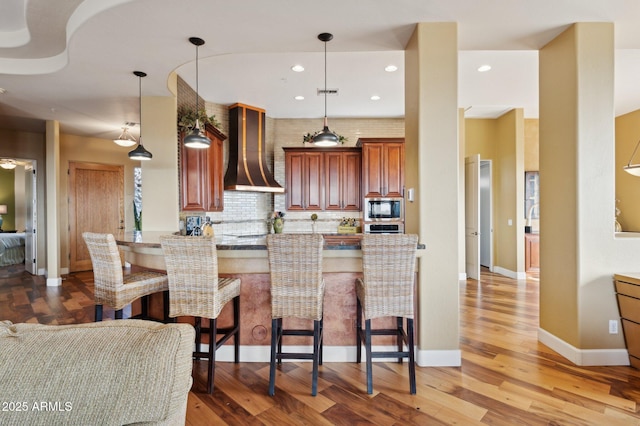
391, 68
297, 68
375, 98
299, 98
484, 68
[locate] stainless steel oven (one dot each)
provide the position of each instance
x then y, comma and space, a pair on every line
383, 209
384, 228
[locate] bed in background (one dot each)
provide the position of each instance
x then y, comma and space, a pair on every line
11, 248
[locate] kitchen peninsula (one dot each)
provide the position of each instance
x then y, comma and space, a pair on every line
245, 257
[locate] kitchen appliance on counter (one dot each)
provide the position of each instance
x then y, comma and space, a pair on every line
383, 216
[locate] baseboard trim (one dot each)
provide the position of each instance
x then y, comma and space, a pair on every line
444, 358
511, 274
584, 357
54, 282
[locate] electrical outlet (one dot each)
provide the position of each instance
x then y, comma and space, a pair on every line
613, 326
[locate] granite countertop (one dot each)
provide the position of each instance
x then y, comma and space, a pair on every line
151, 239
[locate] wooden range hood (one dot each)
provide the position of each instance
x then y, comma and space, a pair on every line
247, 169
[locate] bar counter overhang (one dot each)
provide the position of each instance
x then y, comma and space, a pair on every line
245, 257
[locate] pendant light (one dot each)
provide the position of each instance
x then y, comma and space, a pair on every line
140, 153
325, 137
197, 139
125, 138
633, 169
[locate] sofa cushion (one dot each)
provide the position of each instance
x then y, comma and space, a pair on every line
106, 373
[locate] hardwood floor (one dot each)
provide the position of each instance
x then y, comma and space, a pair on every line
506, 377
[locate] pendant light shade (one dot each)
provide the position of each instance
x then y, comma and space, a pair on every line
325, 137
196, 138
140, 153
633, 169
125, 138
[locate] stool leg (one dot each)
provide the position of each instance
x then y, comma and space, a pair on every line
236, 327
272, 362
316, 357
412, 364
165, 307
198, 327
144, 307
321, 339
212, 355
280, 333
400, 336
367, 346
358, 330
98, 313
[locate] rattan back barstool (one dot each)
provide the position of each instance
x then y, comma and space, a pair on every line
386, 290
195, 290
115, 289
297, 291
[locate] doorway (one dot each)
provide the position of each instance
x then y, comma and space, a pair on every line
96, 204
486, 212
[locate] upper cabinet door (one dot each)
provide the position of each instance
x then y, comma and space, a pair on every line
382, 167
394, 169
303, 176
201, 175
342, 180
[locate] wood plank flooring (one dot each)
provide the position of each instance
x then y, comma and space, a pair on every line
507, 377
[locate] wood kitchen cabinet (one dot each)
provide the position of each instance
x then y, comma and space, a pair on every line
531, 252
322, 178
201, 174
303, 177
342, 175
382, 167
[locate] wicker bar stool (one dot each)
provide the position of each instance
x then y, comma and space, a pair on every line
112, 287
297, 291
386, 290
195, 290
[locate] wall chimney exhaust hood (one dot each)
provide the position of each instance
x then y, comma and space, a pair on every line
247, 169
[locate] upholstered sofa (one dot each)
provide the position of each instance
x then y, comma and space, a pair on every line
105, 373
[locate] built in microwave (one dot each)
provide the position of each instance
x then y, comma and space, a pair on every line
383, 209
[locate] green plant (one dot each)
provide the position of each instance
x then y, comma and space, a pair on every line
187, 118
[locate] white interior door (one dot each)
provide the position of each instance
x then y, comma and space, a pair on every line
486, 233
472, 216
30, 235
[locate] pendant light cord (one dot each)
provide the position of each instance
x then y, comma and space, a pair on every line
197, 96
325, 79
140, 107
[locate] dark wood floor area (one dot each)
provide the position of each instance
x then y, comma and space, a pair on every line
506, 377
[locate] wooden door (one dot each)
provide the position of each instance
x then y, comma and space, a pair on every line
303, 180
472, 216
393, 173
372, 158
215, 182
193, 168
333, 168
351, 177
96, 204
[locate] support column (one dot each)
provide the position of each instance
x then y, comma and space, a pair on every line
578, 252
53, 182
433, 169
160, 204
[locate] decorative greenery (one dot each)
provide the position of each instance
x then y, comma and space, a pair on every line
308, 137
187, 118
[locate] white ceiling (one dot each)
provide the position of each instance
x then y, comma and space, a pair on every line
72, 60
